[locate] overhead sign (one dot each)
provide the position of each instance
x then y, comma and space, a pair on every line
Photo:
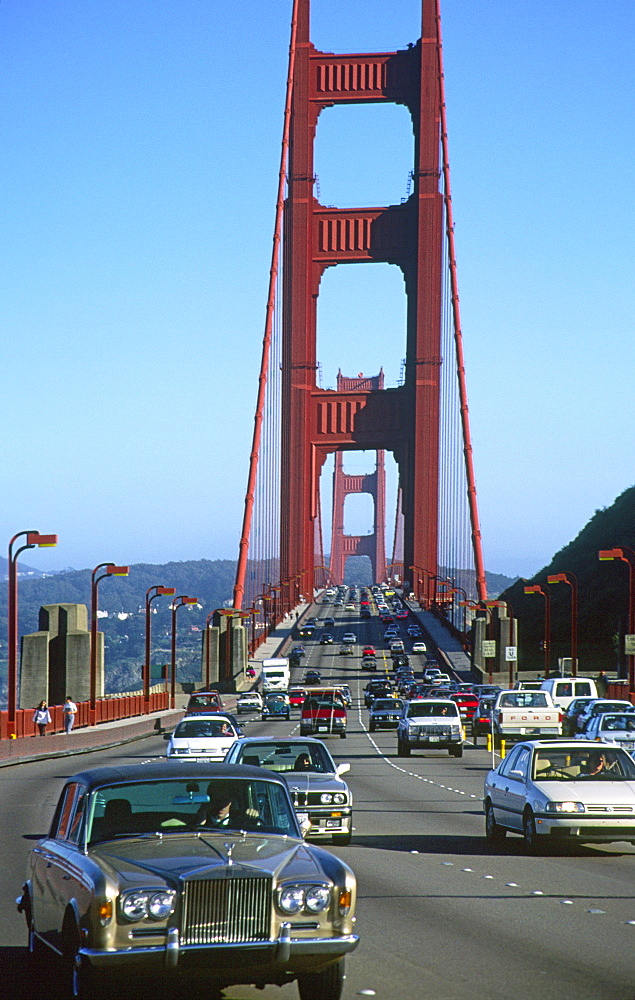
488, 648
511, 654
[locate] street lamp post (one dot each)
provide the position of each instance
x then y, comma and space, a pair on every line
178, 602
111, 570
208, 625
251, 613
573, 583
537, 589
159, 591
33, 539
628, 556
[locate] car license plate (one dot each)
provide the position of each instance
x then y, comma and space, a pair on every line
302, 817
323, 729
433, 739
628, 744
330, 823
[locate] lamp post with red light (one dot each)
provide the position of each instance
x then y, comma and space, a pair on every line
537, 589
33, 539
570, 578
624, 554
178, 602
151, 594
110, 570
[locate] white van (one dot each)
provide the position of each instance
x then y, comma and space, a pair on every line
564, 689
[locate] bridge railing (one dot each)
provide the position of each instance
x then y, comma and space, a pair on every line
107, 710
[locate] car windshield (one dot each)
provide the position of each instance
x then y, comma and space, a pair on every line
295, 755
428, 708
387, 705
574, 763
200, 728
313, 704
179, 806
203, 701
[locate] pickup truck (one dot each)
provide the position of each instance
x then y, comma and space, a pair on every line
518, 715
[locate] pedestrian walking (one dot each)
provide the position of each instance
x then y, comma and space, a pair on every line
602, 684
42, 717
70, 711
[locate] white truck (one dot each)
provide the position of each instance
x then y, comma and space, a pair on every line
275, 674
519, 715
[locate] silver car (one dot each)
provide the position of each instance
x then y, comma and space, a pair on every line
317, 790
616, 727
554, 792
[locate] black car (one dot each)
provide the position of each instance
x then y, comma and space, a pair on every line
313, 677
326, 638
384, 713
376, 689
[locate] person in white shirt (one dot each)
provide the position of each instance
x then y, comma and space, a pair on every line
70, 711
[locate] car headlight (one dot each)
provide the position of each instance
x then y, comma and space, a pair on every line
317, 898
339, 798
142, 904
326, 798
565, 807
292, 899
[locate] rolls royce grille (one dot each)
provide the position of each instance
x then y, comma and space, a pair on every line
226, 911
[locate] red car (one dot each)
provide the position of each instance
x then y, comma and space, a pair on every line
323, 712
296, 696
368, 651
467, 703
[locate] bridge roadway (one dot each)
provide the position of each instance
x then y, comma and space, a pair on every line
440, 914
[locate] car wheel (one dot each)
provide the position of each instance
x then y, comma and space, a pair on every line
371, 727
79, 981
343, 839
325, 985
456, 751
531, 838
343, 736
494, 834
474, 737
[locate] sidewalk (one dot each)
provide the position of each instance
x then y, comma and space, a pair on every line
122, 731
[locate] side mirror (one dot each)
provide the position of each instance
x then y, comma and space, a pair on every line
342, 769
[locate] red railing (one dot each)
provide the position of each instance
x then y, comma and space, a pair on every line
108, 710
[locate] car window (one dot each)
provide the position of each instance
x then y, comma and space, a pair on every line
619, 723
66, 812
430, 708
76, 824
564, 689
523, 699
177, 805
201, 728
510, 761
583, 688
581, 764
520, 766
290, 756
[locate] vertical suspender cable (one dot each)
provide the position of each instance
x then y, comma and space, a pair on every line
239, 587
481, 585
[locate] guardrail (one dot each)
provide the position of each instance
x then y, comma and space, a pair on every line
107, 710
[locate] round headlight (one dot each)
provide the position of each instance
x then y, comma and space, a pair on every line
160, 905
292, 899
339, 797
326, 798
317, 898
135, 906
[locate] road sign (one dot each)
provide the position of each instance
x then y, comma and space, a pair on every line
629, 645
488, 648
511, 654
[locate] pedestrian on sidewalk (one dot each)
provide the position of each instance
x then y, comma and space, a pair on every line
70, 711
42, 717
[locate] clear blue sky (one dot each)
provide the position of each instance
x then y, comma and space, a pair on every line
138, 158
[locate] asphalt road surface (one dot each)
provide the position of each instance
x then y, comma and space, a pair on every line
440, 914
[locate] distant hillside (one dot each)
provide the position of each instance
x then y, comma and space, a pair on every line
602, 595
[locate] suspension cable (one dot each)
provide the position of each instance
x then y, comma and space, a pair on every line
241, 569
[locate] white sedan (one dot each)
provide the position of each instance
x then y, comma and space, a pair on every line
419, 647
554, 792
349, 639
207, 737
250, 701
616, 727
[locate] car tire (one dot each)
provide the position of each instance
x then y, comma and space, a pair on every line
474, 737
456, 751
403, 750
342, 736
325, 985
533, 843
371, 727
494, 834
78, 980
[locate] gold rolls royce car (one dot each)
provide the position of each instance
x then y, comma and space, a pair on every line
176, 870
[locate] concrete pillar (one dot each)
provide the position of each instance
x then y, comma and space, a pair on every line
56, 659
34, 670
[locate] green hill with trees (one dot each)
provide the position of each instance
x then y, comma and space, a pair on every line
602, 596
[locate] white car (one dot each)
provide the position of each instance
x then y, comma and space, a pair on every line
349, 639
558, 791
419, 647
250, 701
207, 737
616, 727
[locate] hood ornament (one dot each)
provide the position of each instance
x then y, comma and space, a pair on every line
229, 849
